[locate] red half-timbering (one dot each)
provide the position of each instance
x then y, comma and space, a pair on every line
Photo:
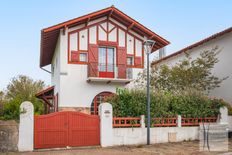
121, 62
104, 64
50, 35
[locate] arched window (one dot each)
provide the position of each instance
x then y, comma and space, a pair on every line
98, 99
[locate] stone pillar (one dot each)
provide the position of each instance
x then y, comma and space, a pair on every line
224, 115
179, 121
106, 125
26, 127
142, 121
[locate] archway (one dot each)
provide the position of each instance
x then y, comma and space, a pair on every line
98, 99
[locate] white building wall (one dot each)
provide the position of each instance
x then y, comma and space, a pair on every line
138, 47
102, 35
113, 35
130, 44
76, 91
222, 68
71, 79
93, 35
83, 37
121, 38
73, 42
55, 68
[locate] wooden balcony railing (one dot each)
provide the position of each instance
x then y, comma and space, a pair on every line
109, 70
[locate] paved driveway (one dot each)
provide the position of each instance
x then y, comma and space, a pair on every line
183, 148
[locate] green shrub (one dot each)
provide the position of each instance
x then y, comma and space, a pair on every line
20, 89
229, 107
11, 110
164, 104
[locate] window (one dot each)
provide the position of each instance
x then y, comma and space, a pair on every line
106, 59
83, 57
130, 61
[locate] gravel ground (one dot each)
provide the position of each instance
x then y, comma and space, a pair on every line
182, 148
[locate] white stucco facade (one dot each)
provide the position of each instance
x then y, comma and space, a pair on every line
221, 69
70, 80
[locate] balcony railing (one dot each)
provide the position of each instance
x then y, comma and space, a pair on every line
99, 70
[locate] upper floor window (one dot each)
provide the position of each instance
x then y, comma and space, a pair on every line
79, 56
83, 57
130, 61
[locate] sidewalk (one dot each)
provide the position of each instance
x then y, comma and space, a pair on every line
183, 148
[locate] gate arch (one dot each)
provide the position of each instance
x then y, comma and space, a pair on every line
97, 100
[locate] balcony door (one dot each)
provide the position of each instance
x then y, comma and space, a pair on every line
106, 62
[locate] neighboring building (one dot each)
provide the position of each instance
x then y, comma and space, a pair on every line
91, 56
222, 69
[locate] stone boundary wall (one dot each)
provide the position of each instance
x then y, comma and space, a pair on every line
9, 136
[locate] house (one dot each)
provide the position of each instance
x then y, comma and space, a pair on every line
223, 40
90, 56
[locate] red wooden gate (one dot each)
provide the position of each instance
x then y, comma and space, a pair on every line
66, 128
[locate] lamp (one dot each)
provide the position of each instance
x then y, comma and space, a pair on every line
148, 46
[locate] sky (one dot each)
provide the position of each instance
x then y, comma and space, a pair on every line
181, 22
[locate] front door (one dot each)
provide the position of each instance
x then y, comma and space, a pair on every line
106, 62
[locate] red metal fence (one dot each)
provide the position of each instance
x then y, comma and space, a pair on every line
126, 122
197, 121
161, 122
164, 122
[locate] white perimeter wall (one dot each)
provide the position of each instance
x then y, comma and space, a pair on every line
222, 68
137, 136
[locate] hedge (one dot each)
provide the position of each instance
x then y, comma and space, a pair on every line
132, 103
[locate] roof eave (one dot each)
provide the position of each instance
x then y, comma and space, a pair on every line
45, 32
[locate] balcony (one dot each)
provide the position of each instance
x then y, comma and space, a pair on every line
109, 73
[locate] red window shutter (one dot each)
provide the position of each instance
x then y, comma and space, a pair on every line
93, 61
74, 56
121, 61
138, 61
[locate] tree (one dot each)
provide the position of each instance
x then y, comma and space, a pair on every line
20, 89
1, 102
188, 74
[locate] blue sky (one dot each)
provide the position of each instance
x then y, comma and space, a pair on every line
179, 21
